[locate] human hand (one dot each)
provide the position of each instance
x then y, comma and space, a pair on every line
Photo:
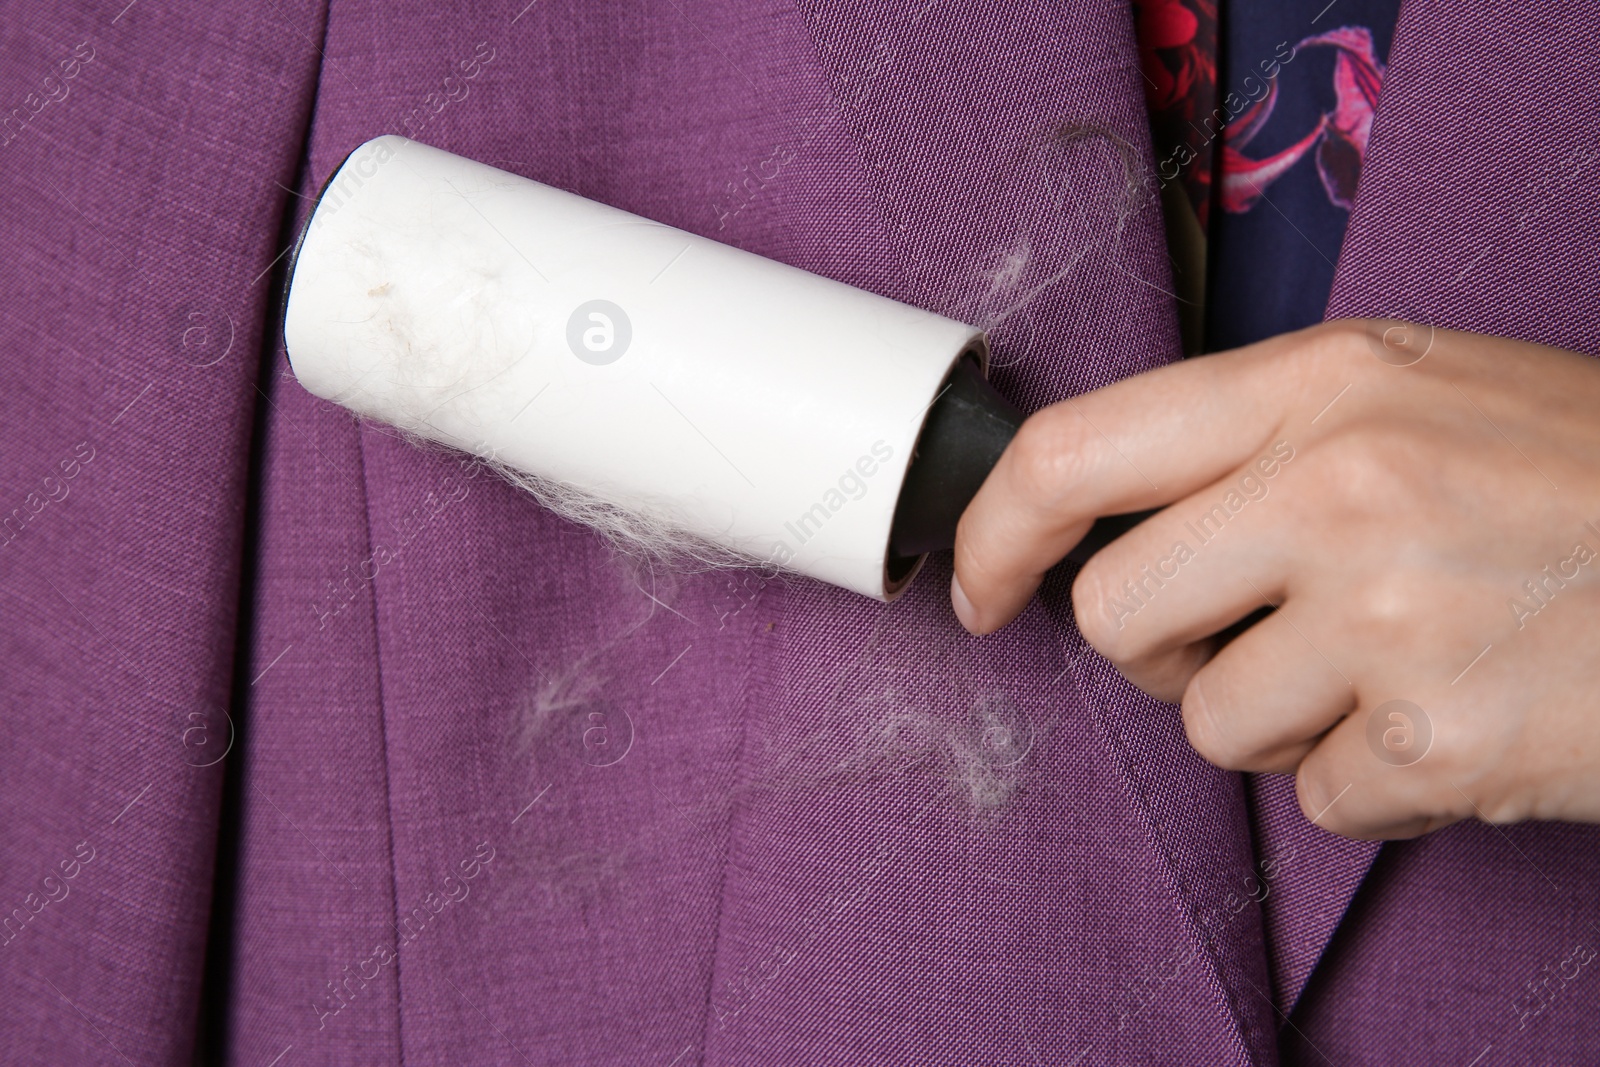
1421, 507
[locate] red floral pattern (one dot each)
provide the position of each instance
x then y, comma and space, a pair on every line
1178, 55
1339, 137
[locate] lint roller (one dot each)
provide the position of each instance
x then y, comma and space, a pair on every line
790, 419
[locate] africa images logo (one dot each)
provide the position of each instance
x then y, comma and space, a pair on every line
1399, 733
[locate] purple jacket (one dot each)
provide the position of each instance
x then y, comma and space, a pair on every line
319, 748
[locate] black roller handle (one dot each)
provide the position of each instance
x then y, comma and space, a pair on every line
968, 427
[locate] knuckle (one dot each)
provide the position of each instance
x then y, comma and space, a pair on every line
1314, 788
1090, 608
1361, 469
1213, 727
1344, 344
1332, 354
1050, 455
1387, 610
1499, 810
1209, 727
1103, 615
1468, 751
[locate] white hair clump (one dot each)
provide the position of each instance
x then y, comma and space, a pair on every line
909, 712
648, 535
979, 756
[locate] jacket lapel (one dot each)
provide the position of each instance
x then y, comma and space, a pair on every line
1307, 878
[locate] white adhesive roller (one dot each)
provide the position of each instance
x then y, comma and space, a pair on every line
751, 404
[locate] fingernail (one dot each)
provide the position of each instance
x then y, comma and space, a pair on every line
964, 609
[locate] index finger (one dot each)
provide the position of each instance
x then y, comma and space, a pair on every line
1143, 442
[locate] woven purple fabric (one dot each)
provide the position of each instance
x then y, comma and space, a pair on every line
139, 155
1306, 878
496, 796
